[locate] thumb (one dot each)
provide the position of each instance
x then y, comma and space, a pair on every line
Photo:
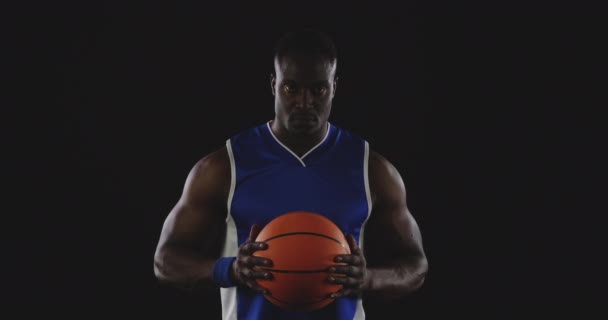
255, 231
352, 243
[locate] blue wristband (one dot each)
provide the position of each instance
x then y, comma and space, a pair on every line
221, 272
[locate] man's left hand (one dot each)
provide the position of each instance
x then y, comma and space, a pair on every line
351, 276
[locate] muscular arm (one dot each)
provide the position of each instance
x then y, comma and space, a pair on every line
192, 233
396, 262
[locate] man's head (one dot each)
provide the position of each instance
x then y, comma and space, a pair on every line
304, 81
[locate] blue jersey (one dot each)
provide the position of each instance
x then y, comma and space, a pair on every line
268, 179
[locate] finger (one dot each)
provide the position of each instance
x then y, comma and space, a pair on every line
352, 244
251, 261
345, 281
346, 270
249, 247
249, 274
254, 232
254, 286
349, 259
253, 274
342, 293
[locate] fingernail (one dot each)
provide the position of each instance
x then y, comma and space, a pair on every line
339, 259
332, 278
267, 275
332, 269
333, 296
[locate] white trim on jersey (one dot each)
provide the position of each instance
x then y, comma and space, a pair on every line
360, 312
366, 176
318, 144
367, 193
230, 249
301, 159
232, 178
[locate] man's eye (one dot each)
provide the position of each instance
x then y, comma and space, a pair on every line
320, 90
288, 88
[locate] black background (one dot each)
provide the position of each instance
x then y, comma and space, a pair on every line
491, 117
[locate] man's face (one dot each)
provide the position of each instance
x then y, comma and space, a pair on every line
304, 88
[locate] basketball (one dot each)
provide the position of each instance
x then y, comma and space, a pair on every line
302, 246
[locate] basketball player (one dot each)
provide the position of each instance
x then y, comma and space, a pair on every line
297, 161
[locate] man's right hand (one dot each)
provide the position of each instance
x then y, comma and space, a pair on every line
243, 268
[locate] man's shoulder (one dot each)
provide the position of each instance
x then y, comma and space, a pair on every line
383, 173
217, 161
209, 177
378, 162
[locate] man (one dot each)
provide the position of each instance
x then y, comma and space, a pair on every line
297, 161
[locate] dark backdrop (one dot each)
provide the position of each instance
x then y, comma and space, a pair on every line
486, 116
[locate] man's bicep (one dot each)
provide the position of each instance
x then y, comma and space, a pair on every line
188, 226
197, 219
392, 231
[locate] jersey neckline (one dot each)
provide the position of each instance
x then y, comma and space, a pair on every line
300, 159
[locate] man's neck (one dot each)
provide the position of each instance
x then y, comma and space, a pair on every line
299, 145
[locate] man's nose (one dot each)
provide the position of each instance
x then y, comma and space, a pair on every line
305, 98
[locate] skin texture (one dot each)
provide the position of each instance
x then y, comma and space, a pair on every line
394, 263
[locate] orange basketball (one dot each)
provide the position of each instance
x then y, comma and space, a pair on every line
302, 246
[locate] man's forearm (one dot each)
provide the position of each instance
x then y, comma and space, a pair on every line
395, 280
183, 268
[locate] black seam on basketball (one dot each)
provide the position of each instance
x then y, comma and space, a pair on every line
295, 271
298, 304
305, 233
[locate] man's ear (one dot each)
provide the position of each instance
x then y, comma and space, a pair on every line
273, 83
